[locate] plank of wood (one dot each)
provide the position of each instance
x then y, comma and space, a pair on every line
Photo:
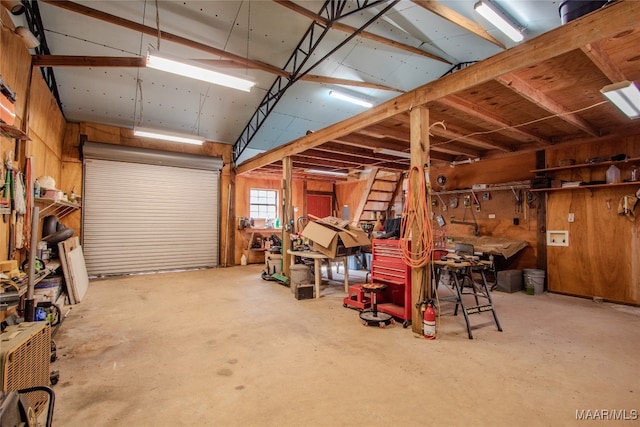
62, 254
78, 272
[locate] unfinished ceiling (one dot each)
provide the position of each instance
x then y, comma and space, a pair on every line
412, 43
541, 93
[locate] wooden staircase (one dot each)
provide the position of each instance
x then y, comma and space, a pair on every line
380, 194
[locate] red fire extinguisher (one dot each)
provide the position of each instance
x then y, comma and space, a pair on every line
429, 322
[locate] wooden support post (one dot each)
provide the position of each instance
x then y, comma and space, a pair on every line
287, 214
420, 277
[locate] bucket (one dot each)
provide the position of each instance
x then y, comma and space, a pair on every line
300, 274
273, 263
534, 281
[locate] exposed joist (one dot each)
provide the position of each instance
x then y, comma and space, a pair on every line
140, 62
346, 82
524, 89
87, 61
364, 34
464, 106
606, 23
165, 36
601, 25
601, 59
457, 136
458, 19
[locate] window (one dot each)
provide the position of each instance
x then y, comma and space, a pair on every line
263, 204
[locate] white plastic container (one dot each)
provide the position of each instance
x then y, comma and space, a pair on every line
613, 175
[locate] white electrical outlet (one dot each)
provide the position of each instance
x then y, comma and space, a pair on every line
571, 217
492, 216
557, 238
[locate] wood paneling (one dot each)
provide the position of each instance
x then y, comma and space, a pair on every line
603, 256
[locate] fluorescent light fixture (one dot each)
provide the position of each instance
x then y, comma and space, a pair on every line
491, 14
349, 98
196, 71
624, 95
325, 172
168, 136
388, 152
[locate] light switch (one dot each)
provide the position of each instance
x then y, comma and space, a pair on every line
571, 217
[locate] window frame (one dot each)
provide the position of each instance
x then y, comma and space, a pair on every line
266, 205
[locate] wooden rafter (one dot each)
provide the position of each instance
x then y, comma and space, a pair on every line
601, 59
134, 26
460, 104
539, 98
87, 61
364, 34
606, 23
140, 62
459, 137
457, 19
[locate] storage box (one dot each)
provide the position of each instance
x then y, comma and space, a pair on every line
304, 292
334, 241
510, 280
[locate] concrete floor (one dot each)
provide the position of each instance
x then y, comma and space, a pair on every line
224, 348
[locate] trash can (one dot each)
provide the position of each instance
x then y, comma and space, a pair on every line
300, 275
534, 281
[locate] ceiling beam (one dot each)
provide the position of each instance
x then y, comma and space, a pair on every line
464, 106
453, 136
141, 62
600, 59
346, 82
605, 23
458, 19
87, 61
364, 34
543, 101
165, 36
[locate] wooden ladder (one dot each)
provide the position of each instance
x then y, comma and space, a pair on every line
380, 193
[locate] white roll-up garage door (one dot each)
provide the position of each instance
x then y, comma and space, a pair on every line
143, 217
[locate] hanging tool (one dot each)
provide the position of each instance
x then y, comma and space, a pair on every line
476, 201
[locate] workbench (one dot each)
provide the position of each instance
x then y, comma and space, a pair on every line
318, 258
489, 245
460, 270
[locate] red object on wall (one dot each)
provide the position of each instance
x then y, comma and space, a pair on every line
319, 205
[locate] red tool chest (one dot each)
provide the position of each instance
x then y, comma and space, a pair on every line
388, 267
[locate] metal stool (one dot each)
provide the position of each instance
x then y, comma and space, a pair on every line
371, 317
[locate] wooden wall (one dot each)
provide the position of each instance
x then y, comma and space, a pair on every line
603, 256
498, 215
37, 115
299, 191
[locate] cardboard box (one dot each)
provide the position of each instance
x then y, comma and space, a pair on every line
334, 241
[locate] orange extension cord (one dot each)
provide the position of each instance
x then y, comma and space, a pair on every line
416, 247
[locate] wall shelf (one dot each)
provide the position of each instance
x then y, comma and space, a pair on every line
587, 165
586, 187
58, 208
507, 186
13, 132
